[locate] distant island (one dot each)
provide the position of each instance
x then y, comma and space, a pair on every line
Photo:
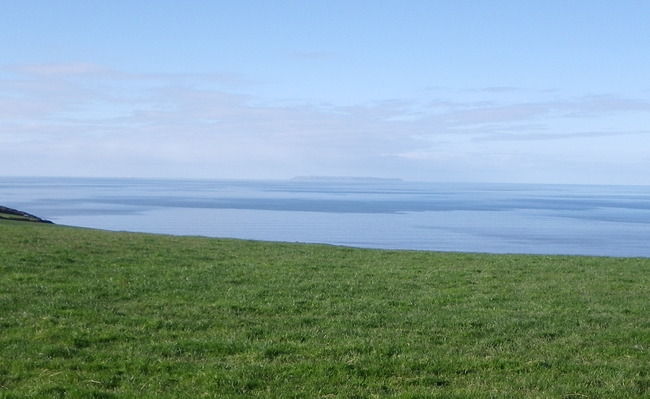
13, 214
352, 179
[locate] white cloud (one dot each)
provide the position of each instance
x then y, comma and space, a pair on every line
63, 69
91, 120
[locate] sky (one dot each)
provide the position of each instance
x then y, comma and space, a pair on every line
521, 91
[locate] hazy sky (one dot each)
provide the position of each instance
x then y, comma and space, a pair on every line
550, 91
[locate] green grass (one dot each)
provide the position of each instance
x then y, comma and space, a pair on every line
93, 314
22, 218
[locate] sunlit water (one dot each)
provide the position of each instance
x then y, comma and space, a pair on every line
495, 218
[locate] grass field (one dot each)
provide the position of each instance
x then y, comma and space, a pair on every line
94, 314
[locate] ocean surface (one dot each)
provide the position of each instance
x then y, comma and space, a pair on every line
370, 213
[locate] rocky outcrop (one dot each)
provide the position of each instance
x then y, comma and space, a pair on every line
13, 214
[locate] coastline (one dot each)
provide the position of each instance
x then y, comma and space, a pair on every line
14, 214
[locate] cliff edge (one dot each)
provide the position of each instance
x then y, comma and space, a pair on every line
13, 214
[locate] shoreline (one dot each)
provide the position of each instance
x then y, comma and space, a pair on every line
14, 214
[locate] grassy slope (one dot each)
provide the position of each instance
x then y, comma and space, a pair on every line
115, 315
12, 214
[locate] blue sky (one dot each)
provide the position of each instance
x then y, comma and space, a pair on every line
481, 91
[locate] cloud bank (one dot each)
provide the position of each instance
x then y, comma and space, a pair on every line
84, 119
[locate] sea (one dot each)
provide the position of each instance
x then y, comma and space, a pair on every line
355, 212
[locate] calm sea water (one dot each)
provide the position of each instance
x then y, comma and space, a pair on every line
494, 218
